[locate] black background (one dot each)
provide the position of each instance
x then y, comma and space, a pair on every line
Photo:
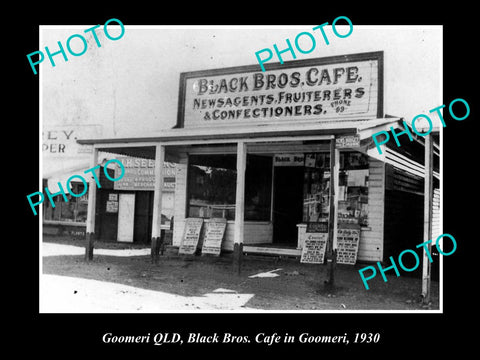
401, 334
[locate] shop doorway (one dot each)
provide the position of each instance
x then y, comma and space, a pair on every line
142, 227
125, 216
287, 204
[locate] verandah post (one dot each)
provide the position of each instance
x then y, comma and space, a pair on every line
157, 204
427, 222
239, 206
92, 195
332, 220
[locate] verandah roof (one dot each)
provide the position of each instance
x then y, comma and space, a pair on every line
257, 130
144, 146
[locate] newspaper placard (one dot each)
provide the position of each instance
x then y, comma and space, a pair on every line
347, 246
191, 234
317, 227
214, 233
313, 251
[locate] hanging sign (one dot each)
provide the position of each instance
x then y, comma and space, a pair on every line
347, 246
347, 141
288, 160
214, 233
313, 251
191, 234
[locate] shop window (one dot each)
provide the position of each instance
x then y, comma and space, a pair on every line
316, 187
353, 191
75, 210
212, 187
353, 188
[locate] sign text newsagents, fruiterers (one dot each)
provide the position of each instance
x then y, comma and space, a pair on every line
318, 89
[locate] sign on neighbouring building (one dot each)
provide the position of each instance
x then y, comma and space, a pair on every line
60, 141
61, 154
140, 175
338, 87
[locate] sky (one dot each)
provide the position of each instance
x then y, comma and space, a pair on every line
129, 87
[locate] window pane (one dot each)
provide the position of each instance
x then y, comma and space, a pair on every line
353, 188
211, 186
353, 191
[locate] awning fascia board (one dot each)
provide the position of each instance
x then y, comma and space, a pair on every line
219, 138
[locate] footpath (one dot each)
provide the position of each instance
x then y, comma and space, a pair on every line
121, 278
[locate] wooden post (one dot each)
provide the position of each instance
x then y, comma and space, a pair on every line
336, 191
157, 237
239, 206
332, 220
427, 223
92, 196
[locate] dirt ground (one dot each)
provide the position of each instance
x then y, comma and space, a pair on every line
291, 286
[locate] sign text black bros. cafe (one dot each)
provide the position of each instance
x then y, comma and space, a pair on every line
337, 87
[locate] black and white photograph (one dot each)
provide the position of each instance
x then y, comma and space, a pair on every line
251, 183
217, 186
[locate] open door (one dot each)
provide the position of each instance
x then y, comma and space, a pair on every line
287, 204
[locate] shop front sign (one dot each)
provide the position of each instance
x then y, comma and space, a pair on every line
339, 87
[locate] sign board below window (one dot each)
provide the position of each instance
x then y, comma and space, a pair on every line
191, 235
313, 251
347, 246
214, 233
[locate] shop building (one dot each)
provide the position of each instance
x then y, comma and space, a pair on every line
123, 208
63, 157
254, 148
